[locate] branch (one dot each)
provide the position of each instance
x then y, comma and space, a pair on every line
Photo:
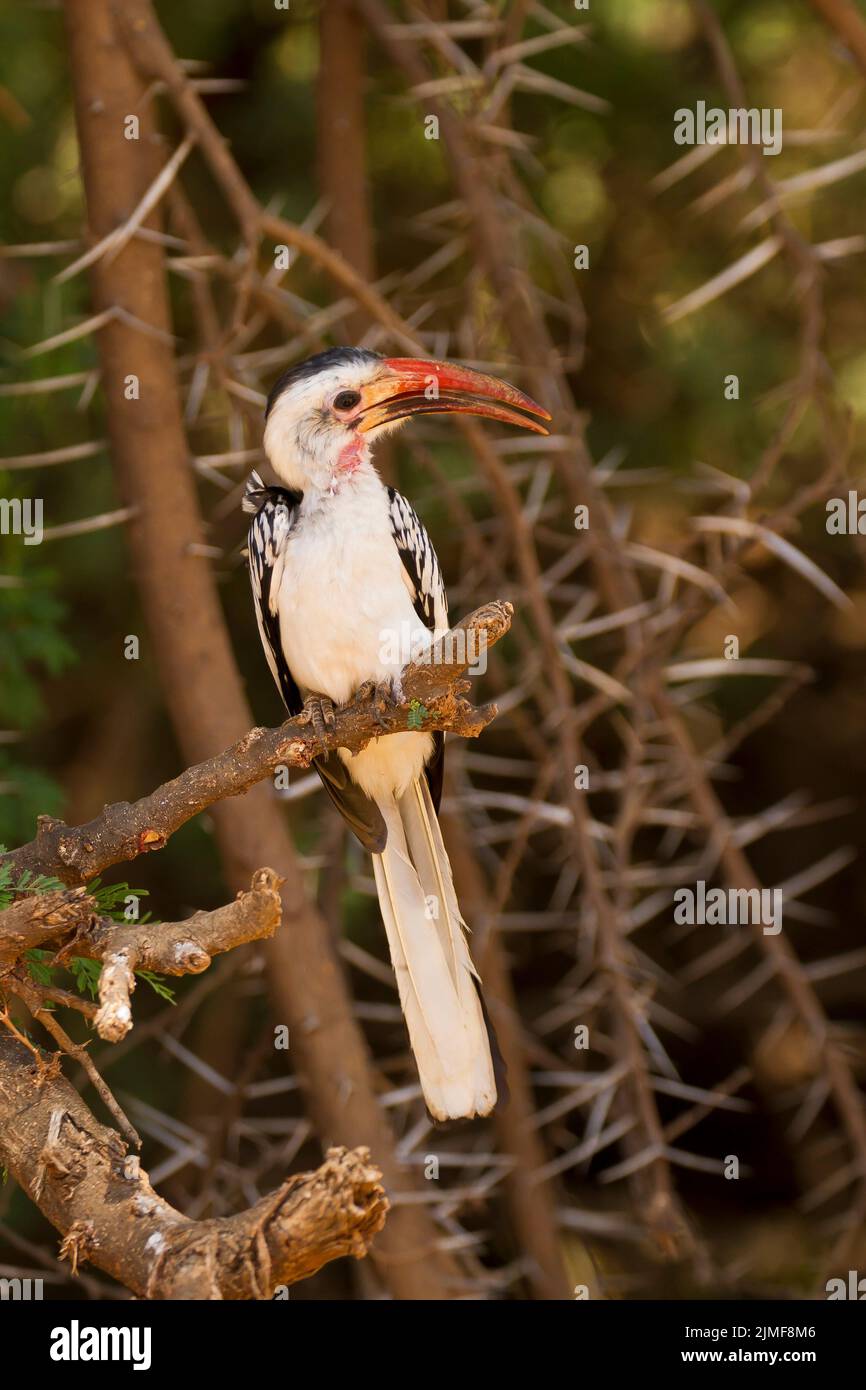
32, 996
168, 948
173, 948
81, 1177
846, 20
41, 917
125, 830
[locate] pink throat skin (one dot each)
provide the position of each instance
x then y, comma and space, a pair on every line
350, 459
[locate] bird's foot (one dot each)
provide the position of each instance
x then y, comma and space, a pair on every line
319, 711
385, 694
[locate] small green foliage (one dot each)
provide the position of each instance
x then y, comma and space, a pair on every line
37, 969
417, 714
110, 898
158, 985
26, 882
85, 973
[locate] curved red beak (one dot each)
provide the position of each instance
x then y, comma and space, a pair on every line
423, 386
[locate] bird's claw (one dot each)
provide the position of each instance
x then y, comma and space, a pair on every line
319, 711
384, 694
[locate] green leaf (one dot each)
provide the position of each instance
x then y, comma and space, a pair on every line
158, 985
36, 967
110, 898
26, 883
417, 714
86, 975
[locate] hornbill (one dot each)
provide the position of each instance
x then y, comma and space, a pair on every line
347, 588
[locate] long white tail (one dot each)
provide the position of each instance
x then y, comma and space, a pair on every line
435, 975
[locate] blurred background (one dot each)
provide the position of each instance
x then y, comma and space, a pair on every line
701, 264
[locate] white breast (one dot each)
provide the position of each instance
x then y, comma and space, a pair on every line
346, 616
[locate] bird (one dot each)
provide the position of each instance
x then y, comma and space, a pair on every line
347, 588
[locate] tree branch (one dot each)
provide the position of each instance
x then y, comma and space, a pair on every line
848, 23
169, 948
81, 1177
173, 948
125, 830
42, 917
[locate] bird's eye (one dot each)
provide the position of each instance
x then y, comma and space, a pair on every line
347, 400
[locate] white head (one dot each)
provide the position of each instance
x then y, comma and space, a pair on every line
323, 414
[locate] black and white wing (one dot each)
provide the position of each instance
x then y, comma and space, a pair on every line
427, 589
275, 513
421, 567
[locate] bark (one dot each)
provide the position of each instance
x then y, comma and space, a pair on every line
81, 1177
31, 921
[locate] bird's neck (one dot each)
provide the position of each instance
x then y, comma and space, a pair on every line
352, 484
321, 476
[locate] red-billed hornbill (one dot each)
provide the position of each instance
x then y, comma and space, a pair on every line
347, 587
